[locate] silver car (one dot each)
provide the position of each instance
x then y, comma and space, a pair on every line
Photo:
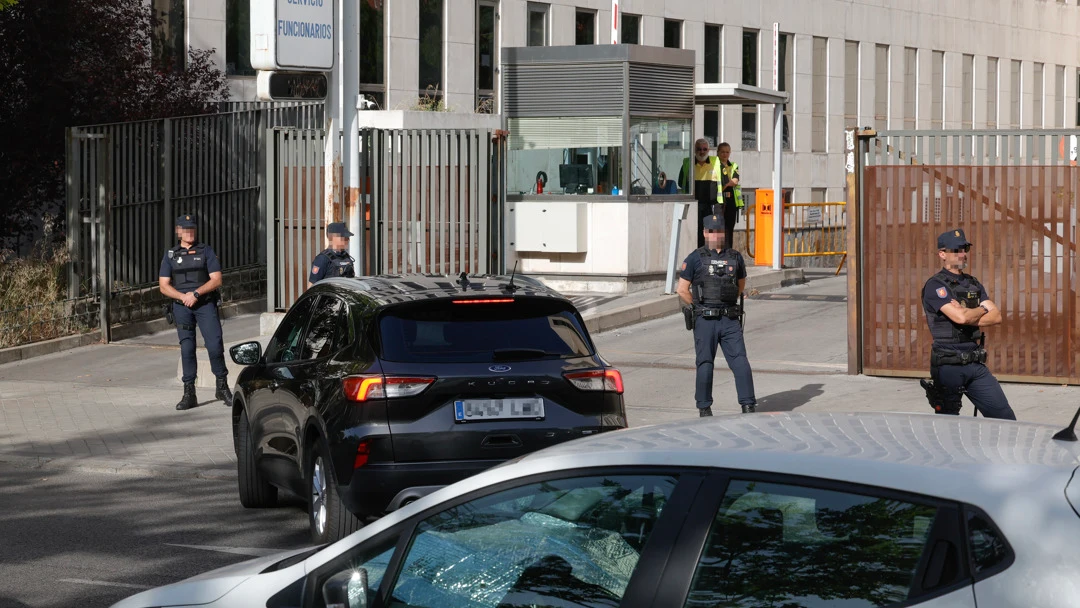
775, 510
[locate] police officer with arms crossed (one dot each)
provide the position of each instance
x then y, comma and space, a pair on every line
717, 275
334, 261
191, 275
957, 307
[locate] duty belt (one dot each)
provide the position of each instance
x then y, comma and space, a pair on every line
941, 357
731, 312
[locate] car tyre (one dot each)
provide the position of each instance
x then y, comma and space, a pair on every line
328, 518
255, 492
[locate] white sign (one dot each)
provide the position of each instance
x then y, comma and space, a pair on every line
292, 34
615, 22
813, 215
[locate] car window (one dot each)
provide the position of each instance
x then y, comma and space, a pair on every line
328, 329
373, 557
440, 331
988, 546
568, 542
285, 346
785, 545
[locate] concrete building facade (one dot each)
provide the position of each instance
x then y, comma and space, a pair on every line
896, 64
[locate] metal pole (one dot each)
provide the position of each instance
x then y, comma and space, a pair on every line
678, 215
74, 218
332, 126
350, 66
777, 182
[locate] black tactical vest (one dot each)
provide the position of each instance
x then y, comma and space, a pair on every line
965, 290
341, 264
716, 277
188, 266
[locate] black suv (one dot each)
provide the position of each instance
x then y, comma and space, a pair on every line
375, 391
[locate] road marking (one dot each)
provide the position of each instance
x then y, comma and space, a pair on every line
102, 583
250, 551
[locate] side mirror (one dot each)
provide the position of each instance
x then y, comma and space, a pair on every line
346, 589
248, 353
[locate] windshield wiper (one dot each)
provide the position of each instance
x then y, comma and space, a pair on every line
509, 354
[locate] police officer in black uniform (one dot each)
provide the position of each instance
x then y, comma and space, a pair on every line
334, 261
957, 308
717, 275
191, 275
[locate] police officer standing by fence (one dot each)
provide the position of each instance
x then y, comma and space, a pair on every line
334, 261
957, 307
191, 276
717, 275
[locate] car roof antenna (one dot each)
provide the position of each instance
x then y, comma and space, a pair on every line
510, 286
1068, 433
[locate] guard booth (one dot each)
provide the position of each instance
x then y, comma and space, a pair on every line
597, 137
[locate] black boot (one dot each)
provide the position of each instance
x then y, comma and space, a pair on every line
704, 411
188, 401
223, 393
749, 409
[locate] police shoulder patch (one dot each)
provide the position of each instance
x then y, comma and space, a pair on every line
942, 292
314, 270
684, 265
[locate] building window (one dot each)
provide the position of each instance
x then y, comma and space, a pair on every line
538, 24
485, 57
1015, 94
881, 87
168, 44
1059, 98
817, 195
992, 91
711, 132
238, 38
911, 86
786, 81
585, 27
630, 29
967, 104
749, 78
672, 34
937, 89
712, 53
431, 48
372, 45
819, 96
1037, 96
851, 84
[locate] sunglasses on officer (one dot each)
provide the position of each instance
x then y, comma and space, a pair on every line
964, 249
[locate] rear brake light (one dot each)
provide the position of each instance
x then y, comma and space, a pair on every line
597, 380
363, 450
489, 301
366, 388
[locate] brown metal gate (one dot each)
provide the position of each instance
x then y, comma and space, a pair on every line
1021, 220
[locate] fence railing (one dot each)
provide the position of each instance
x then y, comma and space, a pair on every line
815, 234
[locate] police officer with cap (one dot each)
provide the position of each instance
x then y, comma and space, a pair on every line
957, 308
334, 261
191, 276
717, 274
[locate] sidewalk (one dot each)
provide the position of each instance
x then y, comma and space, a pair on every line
111, 407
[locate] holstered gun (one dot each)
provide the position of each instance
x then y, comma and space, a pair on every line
689, 316
167, 309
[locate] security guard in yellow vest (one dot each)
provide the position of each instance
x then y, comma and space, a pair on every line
731, 198
706, 174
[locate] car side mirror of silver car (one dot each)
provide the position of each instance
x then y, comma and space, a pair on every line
248, 353
346, 589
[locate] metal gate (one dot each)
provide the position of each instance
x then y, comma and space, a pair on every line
433, 204
1015, 194
126, 183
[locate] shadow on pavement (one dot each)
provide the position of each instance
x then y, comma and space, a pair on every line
787, 401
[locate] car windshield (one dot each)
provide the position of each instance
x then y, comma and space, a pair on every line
442, 331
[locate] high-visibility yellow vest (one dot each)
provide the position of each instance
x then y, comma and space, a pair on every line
728, 171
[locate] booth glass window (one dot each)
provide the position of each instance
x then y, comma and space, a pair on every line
659, 149
565, 156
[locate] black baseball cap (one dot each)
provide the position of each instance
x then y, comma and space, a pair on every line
952, 239
338, 229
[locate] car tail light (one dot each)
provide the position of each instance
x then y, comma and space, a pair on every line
484, 301
366, 388
363, 450
597, 380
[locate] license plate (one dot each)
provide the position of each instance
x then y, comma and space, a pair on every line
466, 410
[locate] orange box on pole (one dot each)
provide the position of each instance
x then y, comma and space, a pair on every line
763, 227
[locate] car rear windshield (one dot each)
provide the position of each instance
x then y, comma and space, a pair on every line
443, 331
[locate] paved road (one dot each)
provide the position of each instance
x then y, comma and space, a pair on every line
72, 538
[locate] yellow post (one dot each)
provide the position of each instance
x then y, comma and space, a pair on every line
763, 227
